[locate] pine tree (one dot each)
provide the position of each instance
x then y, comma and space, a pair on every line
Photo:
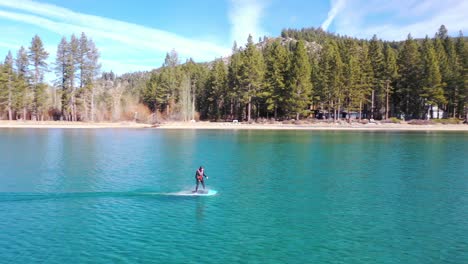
169, 81
216, 90
352, 74
63, 77
366, 81
73, 64
376, 57
276, 77
432, 80
315, 78
149, 95
3, 88
409, 84
165, 82
234, 83
82, 54
9, 75
300, 81
441, 58
442, 33
390, 74
461, 95
37, 58
197, 76
24, 98
252, 72
88, 64
331, 77
451, 81
185, 97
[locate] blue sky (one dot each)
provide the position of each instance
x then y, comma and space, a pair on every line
135, 35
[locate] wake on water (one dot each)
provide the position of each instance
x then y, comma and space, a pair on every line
190, 193
21, 196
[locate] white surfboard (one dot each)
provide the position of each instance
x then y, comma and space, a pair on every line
199, 193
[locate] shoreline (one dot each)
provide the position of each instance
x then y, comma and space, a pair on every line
236, 126
66, 124
314, 126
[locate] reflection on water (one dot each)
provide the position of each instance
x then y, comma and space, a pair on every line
200, 209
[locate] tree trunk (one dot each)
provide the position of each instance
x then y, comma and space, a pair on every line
372, 107
72, 108
86, 107
10, 98
338, 111
276, 112
249, 108
333, 107
360, 110
92, 104
386, 107
193, 106
407, 105
75, 114
231, 114
10, 112
258, 110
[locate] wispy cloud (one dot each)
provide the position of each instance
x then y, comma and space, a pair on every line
109, 33
336, 6
393, 20
8, 45
245, 17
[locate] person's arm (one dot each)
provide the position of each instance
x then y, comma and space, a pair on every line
204, 174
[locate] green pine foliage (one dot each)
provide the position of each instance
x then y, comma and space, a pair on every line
300, 82
276, 90
252, 74
234, 84
306, 73
216, 95
432, 90
409, 102
37, 60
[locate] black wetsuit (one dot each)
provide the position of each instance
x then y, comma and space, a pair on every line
198, 181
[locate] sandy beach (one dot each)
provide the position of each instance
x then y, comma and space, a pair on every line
236, 126
314, 126
63, 124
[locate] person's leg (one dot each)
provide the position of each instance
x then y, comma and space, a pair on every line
196, 188
203, 184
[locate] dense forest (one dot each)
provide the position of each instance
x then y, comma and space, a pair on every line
303, 74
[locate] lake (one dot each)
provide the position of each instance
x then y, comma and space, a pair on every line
101, 196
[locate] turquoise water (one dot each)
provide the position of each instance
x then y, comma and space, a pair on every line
99, 196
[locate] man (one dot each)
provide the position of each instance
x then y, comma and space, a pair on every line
199, 174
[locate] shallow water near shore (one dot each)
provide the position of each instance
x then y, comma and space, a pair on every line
96, 196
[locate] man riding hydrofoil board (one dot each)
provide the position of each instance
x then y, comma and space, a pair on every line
199, 174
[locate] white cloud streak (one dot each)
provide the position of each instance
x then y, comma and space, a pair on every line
336, 6
108, 33
245, 17
393, 20
7, 45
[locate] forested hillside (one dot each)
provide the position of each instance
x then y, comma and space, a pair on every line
304, 73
